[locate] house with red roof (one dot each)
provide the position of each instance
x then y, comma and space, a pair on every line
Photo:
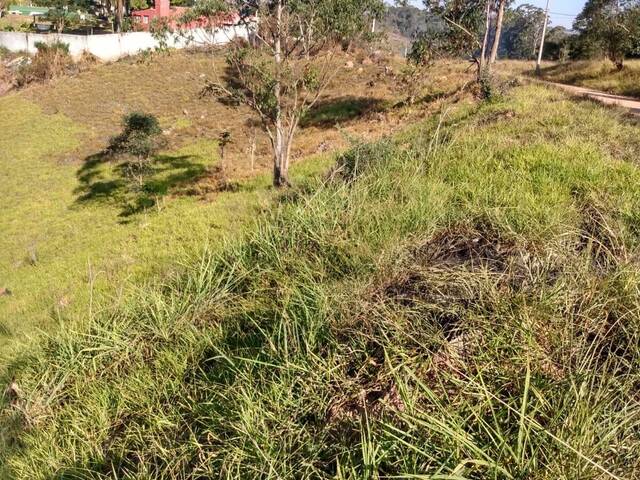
162, 9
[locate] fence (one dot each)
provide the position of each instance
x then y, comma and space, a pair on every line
112, 46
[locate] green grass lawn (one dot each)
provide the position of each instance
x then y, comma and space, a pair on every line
67, 236
458, 301
75, 231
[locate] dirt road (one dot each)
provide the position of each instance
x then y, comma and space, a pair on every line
633, 104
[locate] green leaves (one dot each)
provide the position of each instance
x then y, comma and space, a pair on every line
141, 136
464, 21
610, 26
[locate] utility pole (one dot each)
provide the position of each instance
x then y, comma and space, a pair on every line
544, 33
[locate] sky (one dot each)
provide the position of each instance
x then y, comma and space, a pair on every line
562, 11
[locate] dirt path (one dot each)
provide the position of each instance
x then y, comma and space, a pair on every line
633, 104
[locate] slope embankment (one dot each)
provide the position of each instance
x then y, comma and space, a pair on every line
458, 301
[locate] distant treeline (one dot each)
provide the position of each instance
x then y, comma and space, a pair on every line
603, 28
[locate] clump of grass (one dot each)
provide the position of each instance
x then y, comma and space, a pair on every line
457, 302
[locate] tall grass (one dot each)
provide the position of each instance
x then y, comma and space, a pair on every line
595, 74
457, 302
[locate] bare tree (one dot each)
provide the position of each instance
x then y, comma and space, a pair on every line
498, 31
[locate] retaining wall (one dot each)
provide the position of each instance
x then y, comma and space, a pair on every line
112, 46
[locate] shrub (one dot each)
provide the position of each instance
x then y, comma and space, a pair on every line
51, 61
140, 139
57, 47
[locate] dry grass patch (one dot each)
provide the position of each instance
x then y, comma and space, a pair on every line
169, 86
599, 75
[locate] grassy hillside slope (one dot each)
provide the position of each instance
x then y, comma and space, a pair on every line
73, 229
596, 74
64, 240
458, 302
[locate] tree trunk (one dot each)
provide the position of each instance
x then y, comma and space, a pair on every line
280, 149
119, 15
483, 53
309, 41
498, 33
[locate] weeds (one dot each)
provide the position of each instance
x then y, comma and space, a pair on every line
598, 75
464, 307
50, 61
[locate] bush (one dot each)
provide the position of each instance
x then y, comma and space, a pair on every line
6, 79
51, 61
141, 138
54, 48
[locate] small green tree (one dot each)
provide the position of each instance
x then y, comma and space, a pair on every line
611, 26
65, 13
467, 29
289, 61
522, 31
412, 77
224, 139
141, 138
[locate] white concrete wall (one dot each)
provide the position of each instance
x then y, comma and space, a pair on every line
115, 45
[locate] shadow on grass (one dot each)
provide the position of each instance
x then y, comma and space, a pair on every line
104, 178
327, 114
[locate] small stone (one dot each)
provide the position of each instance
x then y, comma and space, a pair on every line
349, 64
